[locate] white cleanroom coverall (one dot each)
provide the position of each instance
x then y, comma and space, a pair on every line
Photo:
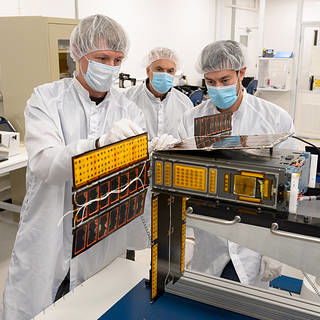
61, 121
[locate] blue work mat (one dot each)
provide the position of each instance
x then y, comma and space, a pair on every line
287, 283
135, 305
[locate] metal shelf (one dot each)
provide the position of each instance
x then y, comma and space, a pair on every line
273, 89
262, 58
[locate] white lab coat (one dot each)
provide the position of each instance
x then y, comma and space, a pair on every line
162, 116
212, 253
61, 121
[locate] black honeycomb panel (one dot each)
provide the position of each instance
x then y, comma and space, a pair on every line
141, 174
124, 180
80, 239
92, 232
80, 213
114, 186
104, 189
133, 175
140, 203
113, 220
99, 227
93, 193
81, 198
103, 227
123, 211
132, 208
99, 218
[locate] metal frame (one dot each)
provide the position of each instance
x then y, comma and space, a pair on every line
277, 174
254, 302
223, 218
214, 220
274, 229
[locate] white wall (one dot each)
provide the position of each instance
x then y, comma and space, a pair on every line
246, 24
56, 8
186, 26
279, 34
311, 10
9, 8
280, 24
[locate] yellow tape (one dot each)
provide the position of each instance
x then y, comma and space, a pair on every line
252, 174
250, 199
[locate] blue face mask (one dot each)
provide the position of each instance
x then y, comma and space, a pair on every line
162, 82
223, 97
100, 77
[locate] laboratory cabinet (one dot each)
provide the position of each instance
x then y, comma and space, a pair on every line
33, 50
274, 74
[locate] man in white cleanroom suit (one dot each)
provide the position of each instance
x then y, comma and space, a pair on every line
65, 118
161, 104
163, 107
223, 66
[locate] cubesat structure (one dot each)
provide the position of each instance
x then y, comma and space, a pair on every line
257, 187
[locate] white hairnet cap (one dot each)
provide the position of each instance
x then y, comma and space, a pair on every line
97, 32
221, 55
161, 53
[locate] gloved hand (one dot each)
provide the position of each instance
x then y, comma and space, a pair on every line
163, 142
269, 269
120, 130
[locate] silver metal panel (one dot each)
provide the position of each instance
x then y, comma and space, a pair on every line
298, 253
309, 208
231, 142
251, 301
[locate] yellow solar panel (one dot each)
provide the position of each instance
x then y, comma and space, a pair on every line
212, 180
226, 182
154, 271
100, 162
167, 173
184, 208
158, 173
154, 218
190, 177
183, 247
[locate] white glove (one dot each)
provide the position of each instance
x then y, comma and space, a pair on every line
269, 269
120, 130
163, 142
